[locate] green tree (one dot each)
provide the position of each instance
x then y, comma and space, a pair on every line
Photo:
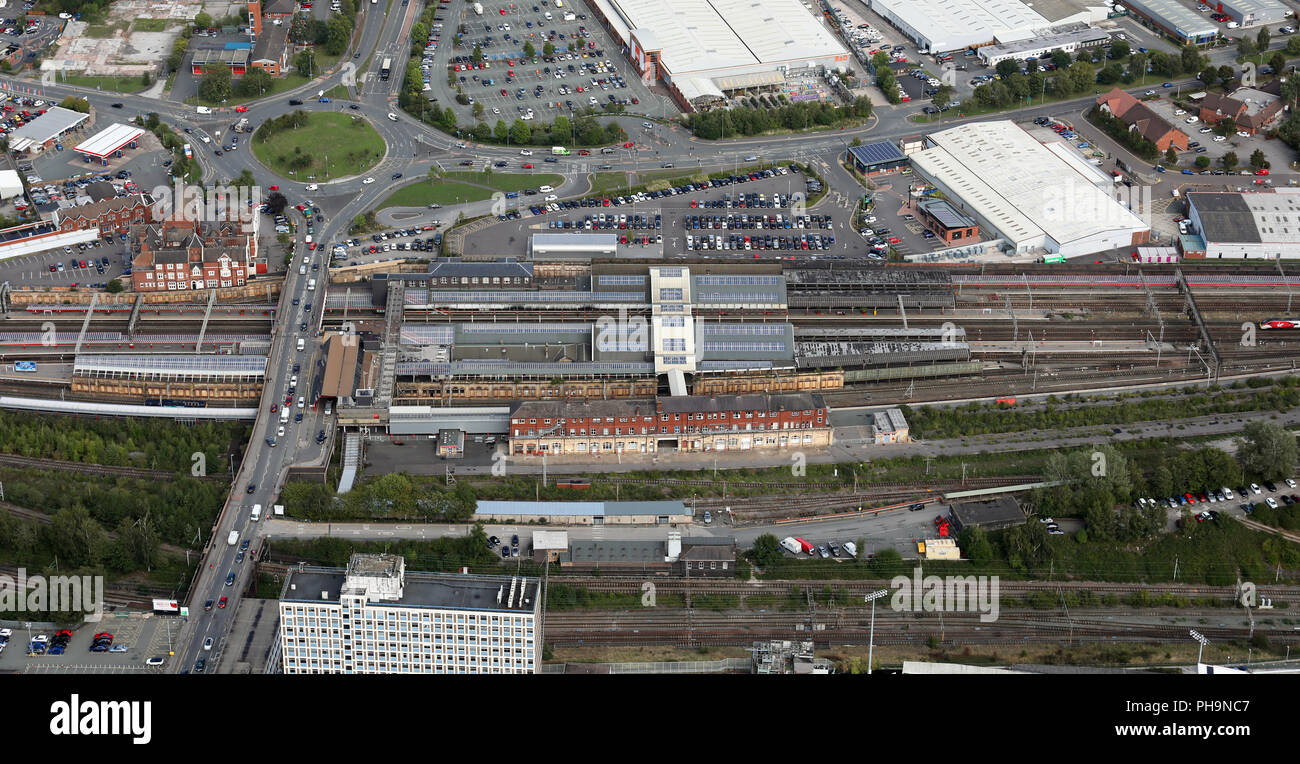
255, 82
215, 85
1229, 161
203, 20
942, 96
1060, 59
305, 62
856, 141
1137, 64
548, 49
1258, 160
562, 130
1007, 67
520, 133
113, 287
529, 50
1191, 59
1246, 46
477, 55
1119, 50
338, 32
1293, 45
1263, 38
766, 551
1202, 162
478, 110
76, 538
500, 131
1171, 157
1278, 63
1266, 449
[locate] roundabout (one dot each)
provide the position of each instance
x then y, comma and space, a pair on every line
318, 146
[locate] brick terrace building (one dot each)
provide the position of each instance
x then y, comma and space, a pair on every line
110, 216
1252, 110
180, 254
685, 423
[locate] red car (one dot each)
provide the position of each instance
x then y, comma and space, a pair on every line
1262, 171
527, 165
629, 144
894, 240
288, 400
221, 603
241, 109
503, 11
312, 246
584, 153
275, 407
1272, 323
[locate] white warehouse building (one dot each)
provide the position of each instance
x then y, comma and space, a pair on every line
941, 26
1246, 226
1035, 197
704, 49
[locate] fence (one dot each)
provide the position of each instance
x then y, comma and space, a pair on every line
720, 666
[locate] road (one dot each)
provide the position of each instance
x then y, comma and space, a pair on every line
412, 149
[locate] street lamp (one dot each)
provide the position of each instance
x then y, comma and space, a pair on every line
871, 639
1196, 635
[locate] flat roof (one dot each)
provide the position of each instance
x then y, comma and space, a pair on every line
1057, 39
53, 123
1258, 7
698, 36
110, 139
581, 508
1005, 176
1182, 18
880, 152
1247, 218
420, 590
170, 365
947, 215
341, 355
939, 21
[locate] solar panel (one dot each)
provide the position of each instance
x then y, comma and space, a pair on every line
172, 365
745, 347
740, 297
620, 280
758, 330
573, 328
750, 280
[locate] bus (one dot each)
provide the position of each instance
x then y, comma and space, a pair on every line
559, 151
189, 153
1054, 259
385, 69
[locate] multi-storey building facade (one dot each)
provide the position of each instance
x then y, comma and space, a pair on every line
374, 618
180, 254
684, 423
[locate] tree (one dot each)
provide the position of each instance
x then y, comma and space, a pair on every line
255, 82
529, 50
1266, 449
1263, 38
1007, 67
215, 85
500, 131
942, 96
1171, 157
305, 62
1110, 74
76, 538
76, 104
202, 20
1137, 64
1229, 161
548, 49
477, 55
1192, 59
520, 132
1277, 63
1258, 160
856, 141
1202, 162
1120, 50
338, 32
1293, 45
766, 551
562, 130
478, 110
113, 287
1060, 59
276, 202
1245, 46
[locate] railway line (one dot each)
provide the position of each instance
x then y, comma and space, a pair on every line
39, 463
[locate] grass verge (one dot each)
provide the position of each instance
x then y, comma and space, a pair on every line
359, 147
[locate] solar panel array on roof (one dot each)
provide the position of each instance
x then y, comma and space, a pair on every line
881, 152
159, 364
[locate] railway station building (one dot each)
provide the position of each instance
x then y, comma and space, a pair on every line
991, 514
584, 512
695, 423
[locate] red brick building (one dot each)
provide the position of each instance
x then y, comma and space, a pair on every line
180, 254
679, 423
1141, 118
947, 223
110, 216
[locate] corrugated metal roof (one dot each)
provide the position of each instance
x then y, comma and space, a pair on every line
582, 508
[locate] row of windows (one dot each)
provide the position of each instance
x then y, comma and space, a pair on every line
675, 417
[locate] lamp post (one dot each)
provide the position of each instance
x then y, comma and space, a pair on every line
1196, 635
871, 639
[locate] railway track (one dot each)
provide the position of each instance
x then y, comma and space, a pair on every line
58, 465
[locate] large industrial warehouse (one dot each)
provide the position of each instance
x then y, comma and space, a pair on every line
940, 26
1021, 191
1175, 19
1236, 225
704, 49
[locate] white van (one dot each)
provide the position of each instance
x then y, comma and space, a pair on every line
284, 412
203, 110
301, 344
302, 270
790, 545
256, 513
233, 538
311, 285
